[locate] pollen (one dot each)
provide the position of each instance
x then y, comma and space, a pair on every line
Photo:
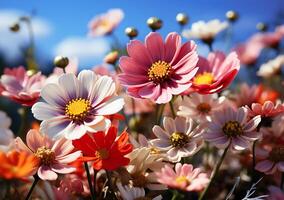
277, 154
46, 155
179, 139
204, 78
204, 108
182, 180
102, 153
232, 129
77, 109
159, 71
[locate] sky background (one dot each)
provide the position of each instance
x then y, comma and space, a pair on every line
61, 26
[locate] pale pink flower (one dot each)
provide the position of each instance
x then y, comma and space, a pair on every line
275, 193
6, 135
184, 177
21, 87
54, 155
216, 72
105, 23
178, 139
271, 68
280, 30
270, 159
268, 39
157, 70
76, 105
268, 109
232, 127
200, 107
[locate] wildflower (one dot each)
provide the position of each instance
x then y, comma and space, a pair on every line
76, 105
54, 156
231, 127
216, 72
271, 68
104, 149
6, 135
21, 87
184, 177
158, 70
178, 138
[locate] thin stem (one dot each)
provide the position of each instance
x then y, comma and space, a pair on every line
160, 111
64, 70
210, 46
110, 184
253, 160
133, 108
282, 181
89, 180
214, 173
24, 114
36, 179
95, 177
172, 109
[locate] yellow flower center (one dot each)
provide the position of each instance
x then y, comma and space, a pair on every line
154, 151
179, 139
232, 129
204, 108
204, 78
159, 71
277, 154
182, 180
46, 155
102, 153
77, 109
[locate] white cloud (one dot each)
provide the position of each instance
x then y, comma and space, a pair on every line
87, 50
11, 43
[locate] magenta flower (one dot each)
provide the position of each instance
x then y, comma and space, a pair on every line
275, 193
184, 177
158, 70
216, 72
230, 127
54, 155
21, 87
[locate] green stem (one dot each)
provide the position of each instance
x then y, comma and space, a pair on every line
89, 180
110, 184
24, 114
36, 179
253, 161
172, 109
133, 108
214, 173
160, 111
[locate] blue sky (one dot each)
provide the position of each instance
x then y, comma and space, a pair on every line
68, 19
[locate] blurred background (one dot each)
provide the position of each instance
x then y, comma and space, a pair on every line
60, 27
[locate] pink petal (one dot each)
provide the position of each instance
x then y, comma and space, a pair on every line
45, 173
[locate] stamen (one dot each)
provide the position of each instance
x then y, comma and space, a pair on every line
77, 109
159, 71
179, 139
232, 129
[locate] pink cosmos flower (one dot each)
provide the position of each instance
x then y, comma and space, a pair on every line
280, 30
216, 72
246, 95
270, 159
231, 127
184, 177
178, 139
6, 135
21, 87
105, 23
157, 70
76, 105
271, 39
200, 107
54, 155
275, 193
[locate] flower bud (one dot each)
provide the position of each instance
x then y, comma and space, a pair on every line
262, 26
15, 27
232, 15
182, 18
61, 62
154, 23
111, 57
131, 32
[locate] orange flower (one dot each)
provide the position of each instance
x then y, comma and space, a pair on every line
266, 94
17, 165
107, 151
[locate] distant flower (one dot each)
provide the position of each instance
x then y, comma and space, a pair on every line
133, 193
280, 30
270, 160
140, 105
107, 151
271, 68
230, 127
205, 31
21, 87
216, 72
105, 23
17, 165
275, 193
76, 105
200, 107
267, 39
157, 70
6, 135
266, 94
54, 156
184, 177
178, 139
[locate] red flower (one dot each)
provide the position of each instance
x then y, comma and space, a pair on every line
104, 149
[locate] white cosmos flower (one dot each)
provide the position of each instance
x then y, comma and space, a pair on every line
6, 135
272, 67
76, 105
205, 30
